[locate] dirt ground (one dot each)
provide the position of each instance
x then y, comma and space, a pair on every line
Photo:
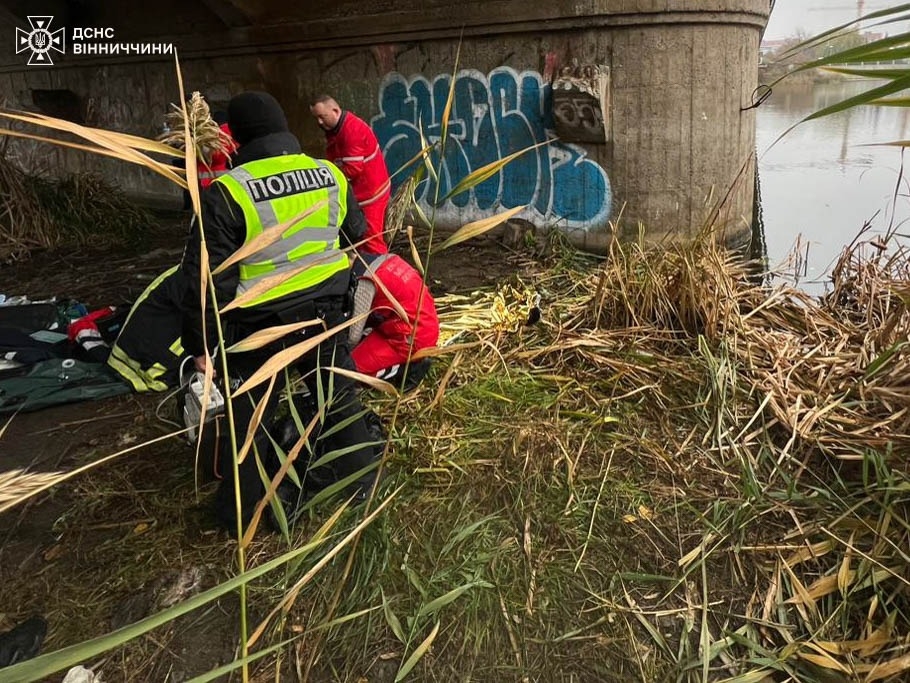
109, 547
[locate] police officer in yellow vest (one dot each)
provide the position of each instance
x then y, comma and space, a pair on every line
271, 183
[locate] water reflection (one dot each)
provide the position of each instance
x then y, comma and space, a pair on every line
822, 182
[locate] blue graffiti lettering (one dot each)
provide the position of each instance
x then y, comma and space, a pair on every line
492, 116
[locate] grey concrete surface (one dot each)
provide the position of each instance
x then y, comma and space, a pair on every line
666, 144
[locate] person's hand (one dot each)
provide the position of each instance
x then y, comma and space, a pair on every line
201, 362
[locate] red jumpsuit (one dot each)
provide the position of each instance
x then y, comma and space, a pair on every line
352, 146
390, 341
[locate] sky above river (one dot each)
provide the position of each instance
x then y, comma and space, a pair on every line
790, 17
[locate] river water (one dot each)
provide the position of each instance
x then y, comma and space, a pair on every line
823, 181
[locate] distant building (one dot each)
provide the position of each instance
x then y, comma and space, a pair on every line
772, 47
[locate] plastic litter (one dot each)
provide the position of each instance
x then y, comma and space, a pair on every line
79, 674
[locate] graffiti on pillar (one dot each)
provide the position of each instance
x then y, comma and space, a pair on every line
492, 117
580, 99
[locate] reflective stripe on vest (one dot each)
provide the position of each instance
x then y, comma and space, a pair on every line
275, 191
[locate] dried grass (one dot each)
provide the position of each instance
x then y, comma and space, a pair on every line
636, 487
17, 484
204, 131
835, 370
24, 223
718, 397
39, 213
399, 209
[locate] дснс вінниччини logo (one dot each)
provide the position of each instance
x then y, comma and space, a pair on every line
40, 40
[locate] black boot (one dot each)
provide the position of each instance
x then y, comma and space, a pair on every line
291, 500
23, 642
417, 370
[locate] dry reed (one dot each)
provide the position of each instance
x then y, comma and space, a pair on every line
24, 223
568, 481
38, 213
205, 132
17, 484
772, 378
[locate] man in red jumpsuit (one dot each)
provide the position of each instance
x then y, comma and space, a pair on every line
385, 350
352, 146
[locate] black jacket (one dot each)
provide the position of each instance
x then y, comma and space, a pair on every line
225, 232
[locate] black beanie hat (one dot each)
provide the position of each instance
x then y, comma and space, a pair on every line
253, 115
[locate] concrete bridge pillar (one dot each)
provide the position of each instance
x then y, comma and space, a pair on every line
638, 108
683, 137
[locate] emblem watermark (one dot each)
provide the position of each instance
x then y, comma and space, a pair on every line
40, 41
84, 40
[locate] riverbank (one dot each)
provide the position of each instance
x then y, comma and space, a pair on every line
772, 72
674, 474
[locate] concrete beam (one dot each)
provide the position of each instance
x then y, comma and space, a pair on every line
228, 12
246, 33
358, 31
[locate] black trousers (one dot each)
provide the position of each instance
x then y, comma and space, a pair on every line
342, 406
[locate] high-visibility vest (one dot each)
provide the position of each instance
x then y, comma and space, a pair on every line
207, 176
274, 191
